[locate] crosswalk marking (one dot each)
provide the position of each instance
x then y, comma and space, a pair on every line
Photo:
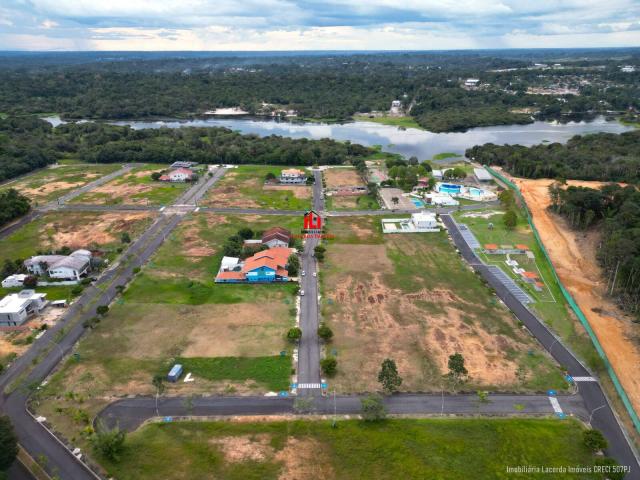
308, 385
584, 379
555, 404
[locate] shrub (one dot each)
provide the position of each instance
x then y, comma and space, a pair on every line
31, 281
373, 408
294, 334
388, 376
125, 238
329, 366
102, 309
594, 440
324, 332
510, 219
77, 290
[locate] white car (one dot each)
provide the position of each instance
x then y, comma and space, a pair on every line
315, 274
302, 293
303, 274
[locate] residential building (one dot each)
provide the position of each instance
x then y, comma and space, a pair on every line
424, 220
265, 266
179, 175
482, 175
13, 281
471, 82
437, 174
418, 223
276, 237
180, 164
628, 69
396, 107
16, 308
293, 175
67, 267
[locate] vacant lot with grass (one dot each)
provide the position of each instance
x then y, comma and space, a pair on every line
244, 187
52, 231
359, 202
411, 298
408, 449
135, 188
52, 182
229, 337
337, 177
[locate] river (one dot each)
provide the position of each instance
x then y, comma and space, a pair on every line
421, 143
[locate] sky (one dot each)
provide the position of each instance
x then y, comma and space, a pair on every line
220, 25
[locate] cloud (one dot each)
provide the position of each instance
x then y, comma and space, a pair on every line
316, 24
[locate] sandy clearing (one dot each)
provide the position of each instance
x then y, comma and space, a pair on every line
342, 177
243, 448
573, 256
304, 458
345, 202
105, 228
301, 192
53, 186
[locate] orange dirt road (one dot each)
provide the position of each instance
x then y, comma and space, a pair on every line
574, 257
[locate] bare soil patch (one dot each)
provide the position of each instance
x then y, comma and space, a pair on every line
573, 256
245, 448
116, 190
54, 186
77, 233
345, 202
228, 192
302, 192
342, 177
304, 458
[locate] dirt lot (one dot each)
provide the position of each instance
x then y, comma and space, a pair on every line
373, 318
103, 229
342, 177
302, 192
574, 257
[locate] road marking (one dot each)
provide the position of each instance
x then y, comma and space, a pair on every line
584, 379
556, 405
162, 209
197, 209
308, 385
188, 378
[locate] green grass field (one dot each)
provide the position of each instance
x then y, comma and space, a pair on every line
408, 448
136, 187
244, 187
406, 122
52, 182
362, 202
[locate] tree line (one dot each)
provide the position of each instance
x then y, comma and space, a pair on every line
12, 206
615, 212
600, 156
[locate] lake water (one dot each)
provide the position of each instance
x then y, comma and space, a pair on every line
421, 143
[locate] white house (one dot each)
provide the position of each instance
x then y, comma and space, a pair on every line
437, 174
179, 175
70, 267
229, 263
418, 223
16, 308
471, 82
293, 175
628, 69
396, 105
424, 220
13, 281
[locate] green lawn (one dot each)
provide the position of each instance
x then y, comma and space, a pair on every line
362, 202
244, 187
52, 182
404, 448
406, 122
136, 187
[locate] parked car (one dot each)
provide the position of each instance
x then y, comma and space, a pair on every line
302, 273
302, 293
315, 274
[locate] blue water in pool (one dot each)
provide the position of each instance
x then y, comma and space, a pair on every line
417, 203
449, 188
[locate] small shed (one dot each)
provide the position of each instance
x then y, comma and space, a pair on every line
174, 373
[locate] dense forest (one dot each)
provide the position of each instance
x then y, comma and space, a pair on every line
601, 156
328, 87
29, 143
12, 205
615, 211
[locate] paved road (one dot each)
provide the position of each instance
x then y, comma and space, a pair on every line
309, 346
130, 413
595, 401
49, 350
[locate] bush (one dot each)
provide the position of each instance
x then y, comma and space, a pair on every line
388, 376
610, 463
510, 219
31, 281
108, 442
8, 443
102, 309
294, 334
329, 366
76, 290
85, 281
373, 408
324, 332
594, 440
125, 238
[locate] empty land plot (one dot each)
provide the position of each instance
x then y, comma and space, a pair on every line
244, 187
411, 298
351, 202
337, 177
135, 188
52, 231
52, 182
447, 449
230, 337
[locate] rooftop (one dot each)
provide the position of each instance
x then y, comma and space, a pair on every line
15, 302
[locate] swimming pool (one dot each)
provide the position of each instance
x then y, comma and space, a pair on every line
449, 188
476, 192
418, 203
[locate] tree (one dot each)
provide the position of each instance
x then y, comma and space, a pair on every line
329, 365
270, 176
594, 440
155, 176
102, 309
158, 382
108, 442
324, 332
245, 233
373, 408
30, 281
125, 237
294, 334
293, 265
389, 377
610, 464
507, 198
319, 252
8, 443
395, 200
510, 219
456, 365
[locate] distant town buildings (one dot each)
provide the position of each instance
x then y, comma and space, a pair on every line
628, 69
